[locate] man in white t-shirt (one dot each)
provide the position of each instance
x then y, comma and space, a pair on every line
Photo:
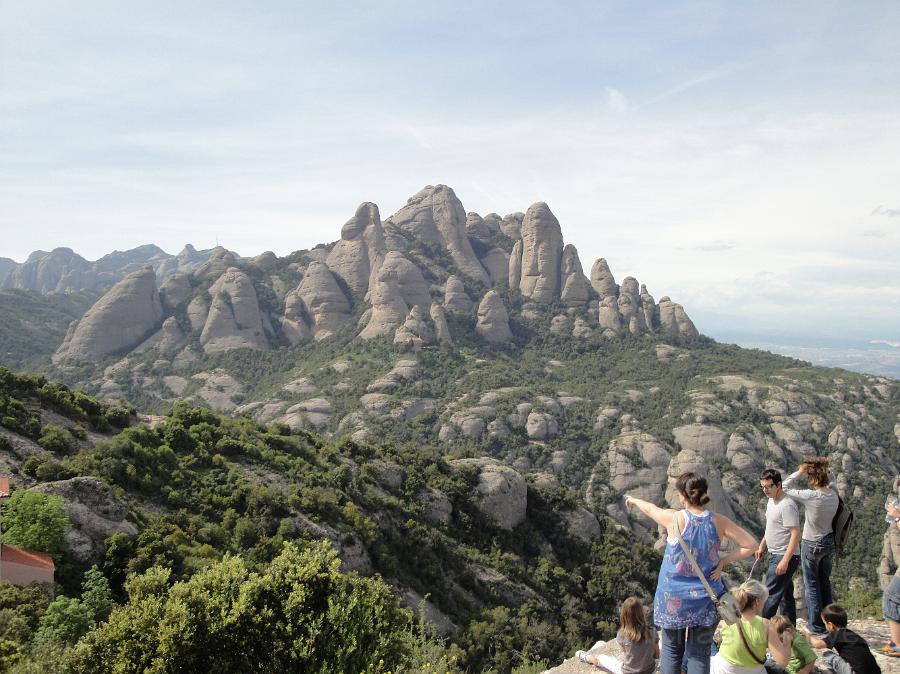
782, 537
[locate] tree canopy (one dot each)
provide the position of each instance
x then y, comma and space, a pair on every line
300, 614
35, 521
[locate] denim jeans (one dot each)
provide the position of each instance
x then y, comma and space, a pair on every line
836, 663
693, 649
816, 558
781, 589
773, 667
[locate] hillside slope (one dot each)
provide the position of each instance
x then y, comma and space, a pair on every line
34, 325
494, 554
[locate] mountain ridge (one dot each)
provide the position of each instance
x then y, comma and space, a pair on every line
407, 261
62, 270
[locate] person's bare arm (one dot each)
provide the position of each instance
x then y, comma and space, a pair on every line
790, 482
761, 549
793, 543
779, 644
743, 539
815, 642
662, 516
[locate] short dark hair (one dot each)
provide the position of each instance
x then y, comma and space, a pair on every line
693, 487
835, 614
771, 474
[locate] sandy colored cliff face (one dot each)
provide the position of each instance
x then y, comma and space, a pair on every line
120, 320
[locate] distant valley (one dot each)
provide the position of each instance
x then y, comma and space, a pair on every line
880, 357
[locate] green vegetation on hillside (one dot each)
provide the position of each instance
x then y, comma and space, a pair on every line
34, 325
211, 491
35, 521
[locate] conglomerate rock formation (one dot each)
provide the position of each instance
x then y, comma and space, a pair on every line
429, 256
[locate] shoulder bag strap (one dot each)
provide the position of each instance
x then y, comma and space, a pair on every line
746, 645
693, 562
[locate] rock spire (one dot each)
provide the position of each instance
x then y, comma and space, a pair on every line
435, 215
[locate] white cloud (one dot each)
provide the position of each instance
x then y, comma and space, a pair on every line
616, 101
886, 212
715, 246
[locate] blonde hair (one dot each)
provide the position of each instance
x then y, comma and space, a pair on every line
750, 592
817, 472
633, 619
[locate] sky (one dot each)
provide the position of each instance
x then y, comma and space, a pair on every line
742, 158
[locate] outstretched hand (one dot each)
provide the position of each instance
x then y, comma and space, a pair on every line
629, 502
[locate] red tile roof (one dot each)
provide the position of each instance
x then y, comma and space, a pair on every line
10, 554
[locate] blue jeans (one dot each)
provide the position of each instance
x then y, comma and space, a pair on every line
836, 663
816, 558
781, 589
694, 648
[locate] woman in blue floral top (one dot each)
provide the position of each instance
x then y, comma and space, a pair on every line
682, 609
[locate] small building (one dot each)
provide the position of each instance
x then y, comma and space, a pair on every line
22, 567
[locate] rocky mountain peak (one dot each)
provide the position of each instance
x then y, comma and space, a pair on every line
60, 270
602, 279
325, 303
234, 319
436, 215
366, 215
357, 257
220, 259
541, 251
120, 320
576, 290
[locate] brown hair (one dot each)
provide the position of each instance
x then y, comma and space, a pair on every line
749, 592
633, 619
693, 487
817, 472
781, 623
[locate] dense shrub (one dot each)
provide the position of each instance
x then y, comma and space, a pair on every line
56, 439
35, 521
299, 614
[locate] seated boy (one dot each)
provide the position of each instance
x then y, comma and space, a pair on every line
853, 655
802, 656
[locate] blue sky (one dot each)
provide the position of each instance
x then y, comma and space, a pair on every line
743, 158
